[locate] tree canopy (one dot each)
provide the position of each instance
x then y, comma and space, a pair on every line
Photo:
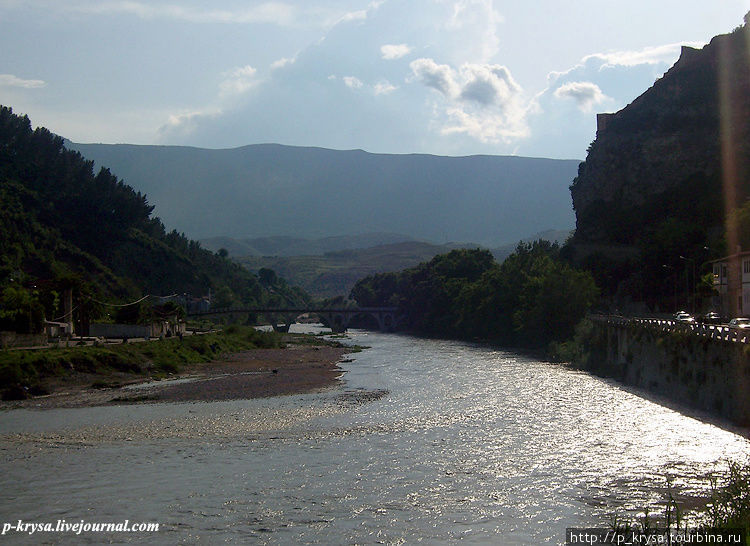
531, 299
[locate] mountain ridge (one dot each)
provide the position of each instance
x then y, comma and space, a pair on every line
273, 189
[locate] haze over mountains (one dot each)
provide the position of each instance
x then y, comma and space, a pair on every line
274, 190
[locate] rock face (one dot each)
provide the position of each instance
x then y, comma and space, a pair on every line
686, 136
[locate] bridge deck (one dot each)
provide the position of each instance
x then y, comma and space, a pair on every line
297, 310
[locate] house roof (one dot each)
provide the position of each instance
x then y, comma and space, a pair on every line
730, 257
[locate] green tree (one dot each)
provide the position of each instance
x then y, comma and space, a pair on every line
267, 277
553, 299
21, 311
223, 298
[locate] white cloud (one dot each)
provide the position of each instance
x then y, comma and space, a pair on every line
481, 19
266, 12
384, 88
185, 123
352, 82
9, 80
394, 51
663, 54
358, 15
238, 81
482, 101
284, 61
280, 13
488, 84
585, 94
438, 76
486, 128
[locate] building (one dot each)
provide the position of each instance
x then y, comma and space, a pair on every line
732, 284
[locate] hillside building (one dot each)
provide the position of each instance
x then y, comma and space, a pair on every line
732, 284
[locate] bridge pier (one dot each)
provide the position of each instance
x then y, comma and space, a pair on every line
337, 322
283, 325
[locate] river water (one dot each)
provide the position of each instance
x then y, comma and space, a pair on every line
426, 440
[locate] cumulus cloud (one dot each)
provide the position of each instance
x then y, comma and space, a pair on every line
481, 100
394, 51
238, 81
488, 84
585, 94
9, 80
352, 82
437, 76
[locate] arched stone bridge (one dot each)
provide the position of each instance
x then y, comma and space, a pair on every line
338, 319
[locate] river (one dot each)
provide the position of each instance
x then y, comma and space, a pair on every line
425, 440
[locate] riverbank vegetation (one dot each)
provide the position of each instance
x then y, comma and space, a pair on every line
726, 508
27, 372
532, 299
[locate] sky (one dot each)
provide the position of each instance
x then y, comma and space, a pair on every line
447, 77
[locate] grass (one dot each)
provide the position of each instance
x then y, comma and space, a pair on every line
24, 371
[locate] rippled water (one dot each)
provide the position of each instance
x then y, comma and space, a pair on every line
426, 440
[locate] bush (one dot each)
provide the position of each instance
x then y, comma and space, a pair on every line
730, 499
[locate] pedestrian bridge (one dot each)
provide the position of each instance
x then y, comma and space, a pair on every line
281, 318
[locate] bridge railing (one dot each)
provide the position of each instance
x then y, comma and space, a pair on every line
719, 332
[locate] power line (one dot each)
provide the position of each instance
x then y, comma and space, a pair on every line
119, 304
90, 298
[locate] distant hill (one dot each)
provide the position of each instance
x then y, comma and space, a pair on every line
334, 273
270, 189
297, 246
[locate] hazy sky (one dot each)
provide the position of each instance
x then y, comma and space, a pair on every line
453, 77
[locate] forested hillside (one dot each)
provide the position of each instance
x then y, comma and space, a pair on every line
62, 225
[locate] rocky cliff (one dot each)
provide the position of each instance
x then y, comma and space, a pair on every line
670, 152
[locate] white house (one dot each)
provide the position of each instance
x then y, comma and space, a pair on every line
732, 282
